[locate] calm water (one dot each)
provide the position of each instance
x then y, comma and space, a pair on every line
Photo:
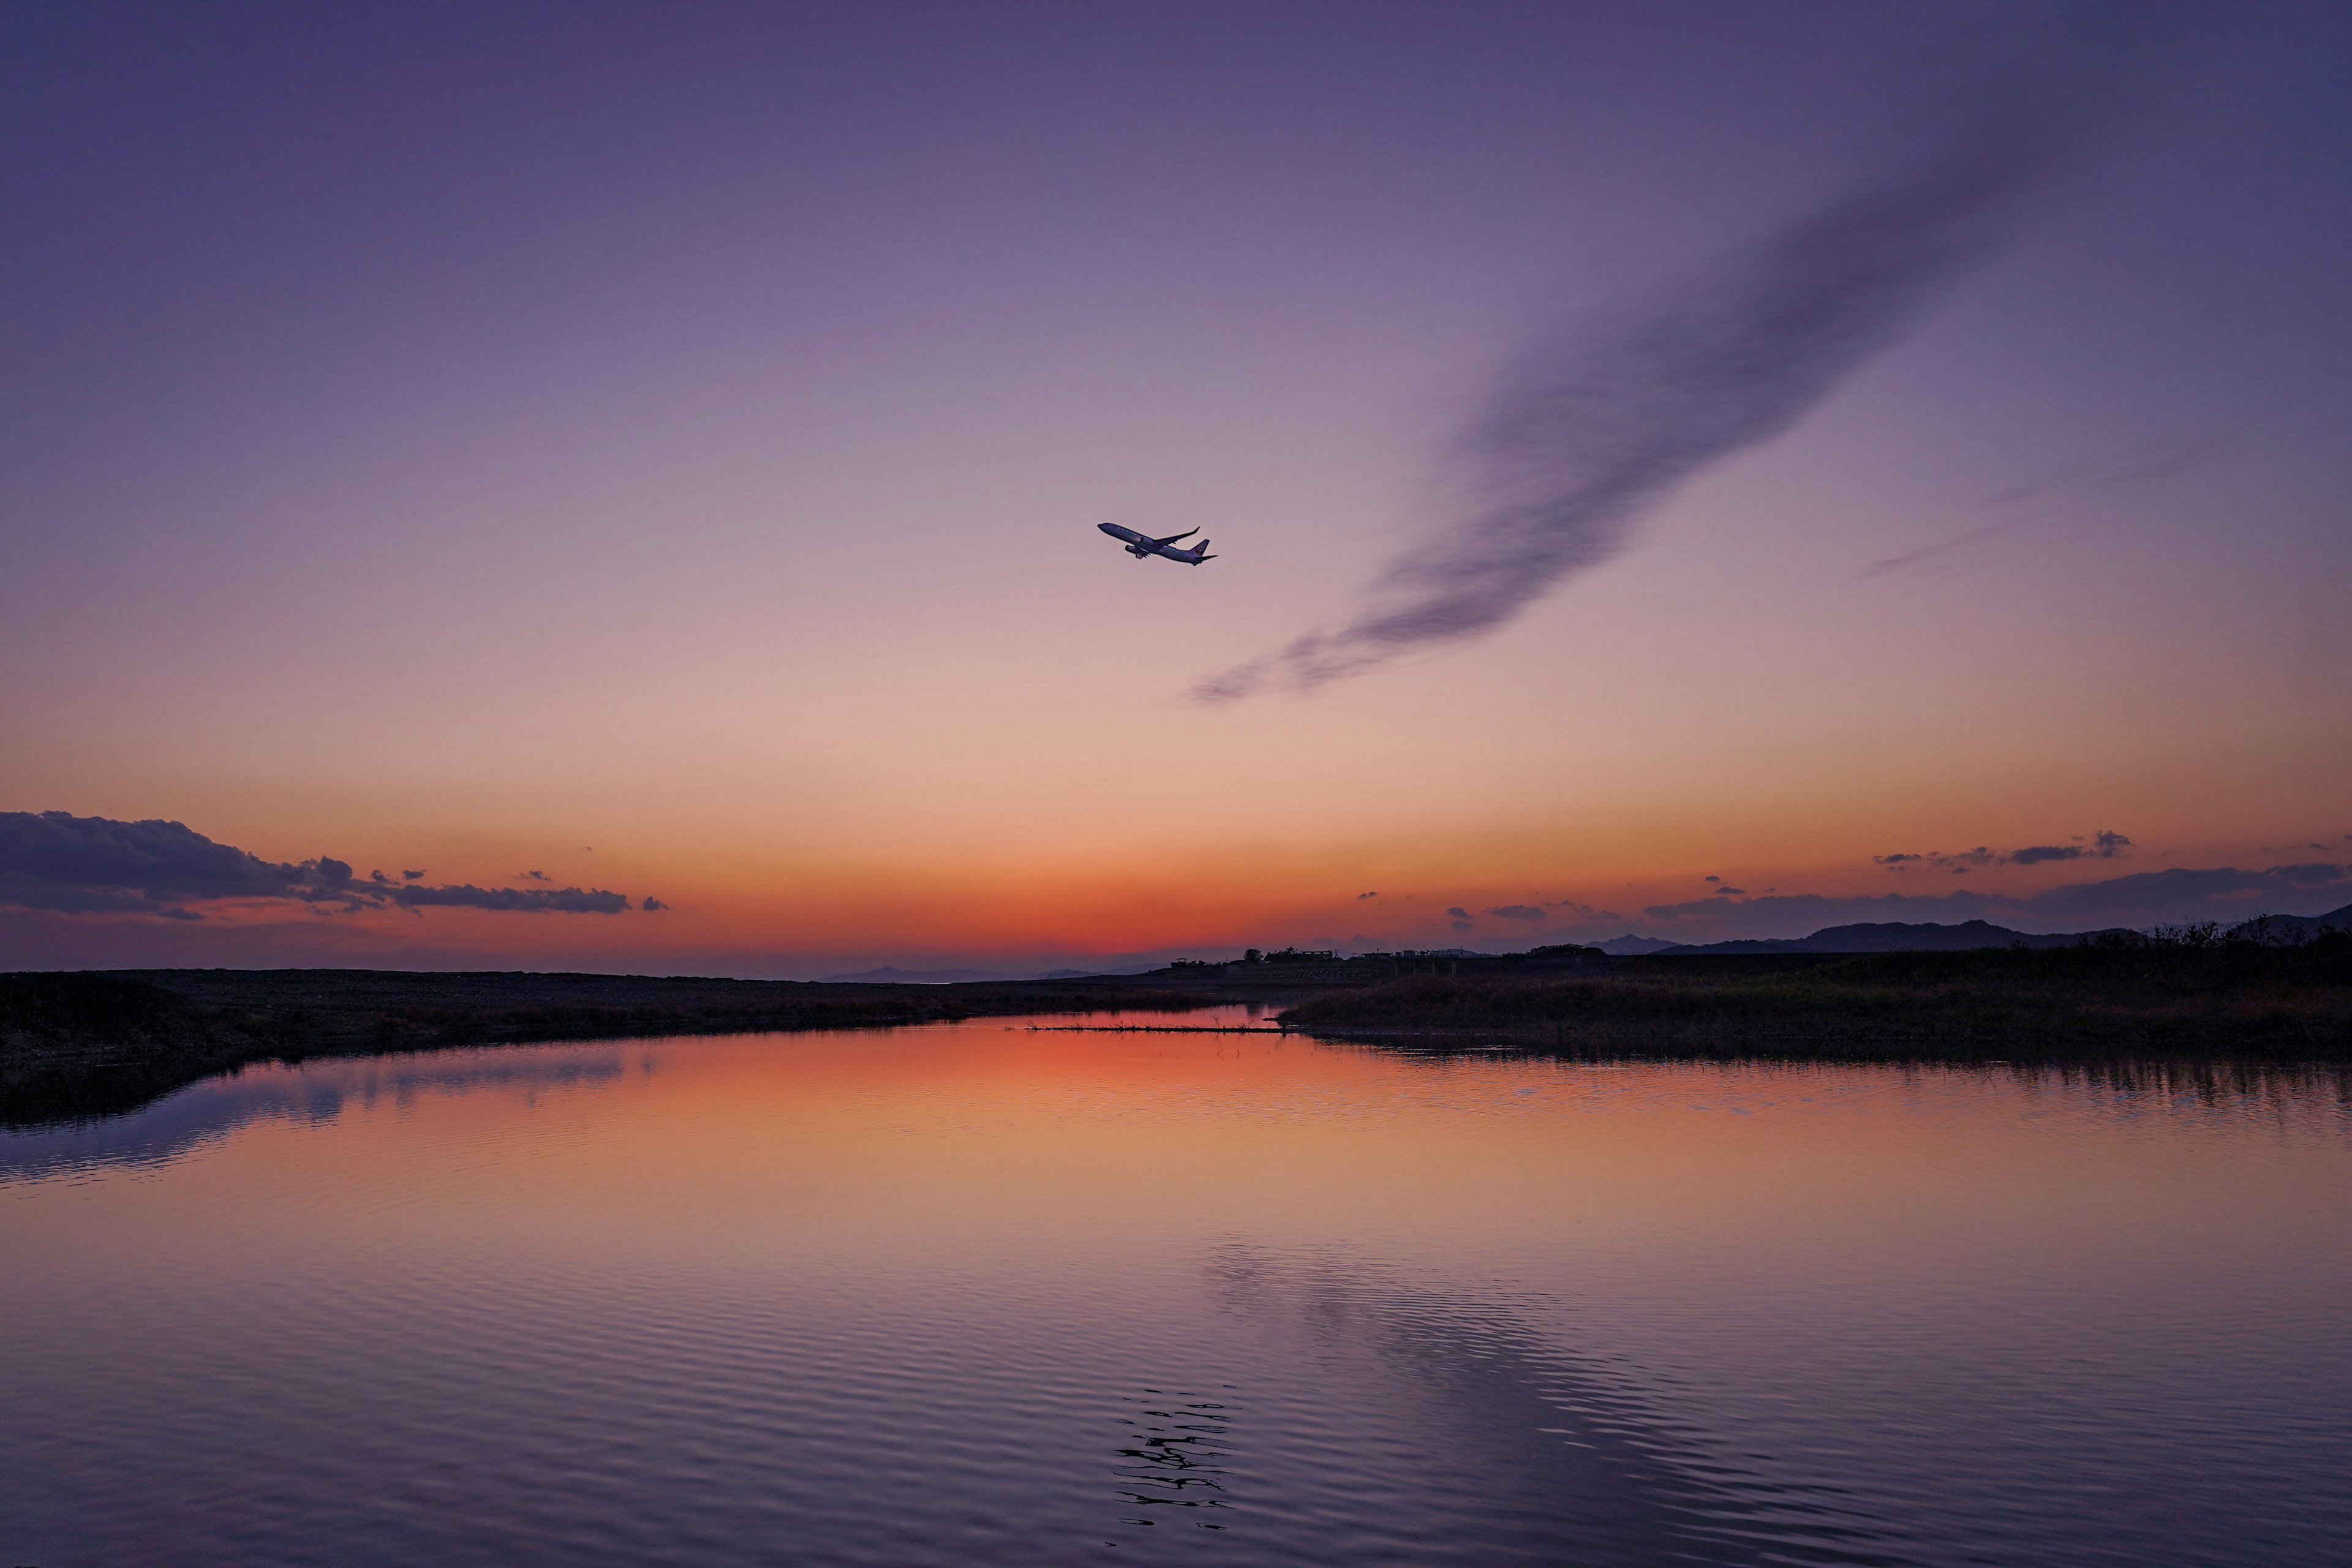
978, 1294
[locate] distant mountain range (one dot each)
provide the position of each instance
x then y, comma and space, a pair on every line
1897, 936
1888, 936
2294, 928
1631, 946
1882, 936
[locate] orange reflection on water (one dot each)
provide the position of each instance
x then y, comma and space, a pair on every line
717, 1278
755, 1146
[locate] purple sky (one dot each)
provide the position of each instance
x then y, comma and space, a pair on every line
462, 437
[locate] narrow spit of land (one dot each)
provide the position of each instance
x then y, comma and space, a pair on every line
2238, 1000
1158, 1029
88, 1045
94, 1043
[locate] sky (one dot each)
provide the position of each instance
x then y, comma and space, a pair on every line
616, 487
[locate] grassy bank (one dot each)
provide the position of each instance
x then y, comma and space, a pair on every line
2166, 998
86, 1045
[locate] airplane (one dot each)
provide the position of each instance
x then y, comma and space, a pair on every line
1141, 545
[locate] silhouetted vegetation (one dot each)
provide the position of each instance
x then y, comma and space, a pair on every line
85, 1045
2187, 991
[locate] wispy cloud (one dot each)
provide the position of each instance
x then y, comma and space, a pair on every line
1937, 553
2148, 464
1589, 430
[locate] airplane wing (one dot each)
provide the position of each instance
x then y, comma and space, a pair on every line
1174, 537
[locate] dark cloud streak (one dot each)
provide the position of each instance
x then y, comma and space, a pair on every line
1588, 431
524, 901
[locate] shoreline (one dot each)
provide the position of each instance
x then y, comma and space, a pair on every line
77, 1045
82, 1045
2234, 1001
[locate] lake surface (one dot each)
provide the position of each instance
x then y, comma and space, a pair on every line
973, 1293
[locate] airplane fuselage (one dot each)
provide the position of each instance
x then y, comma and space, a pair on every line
1143, 546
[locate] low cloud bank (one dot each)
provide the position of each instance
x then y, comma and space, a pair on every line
58, 863
2226, 893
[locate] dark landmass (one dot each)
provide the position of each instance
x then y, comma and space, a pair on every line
1292, 968
2191, 993
889, 974
1895, 936
1927, 936
74, 1045
2291, 929
79, 1045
